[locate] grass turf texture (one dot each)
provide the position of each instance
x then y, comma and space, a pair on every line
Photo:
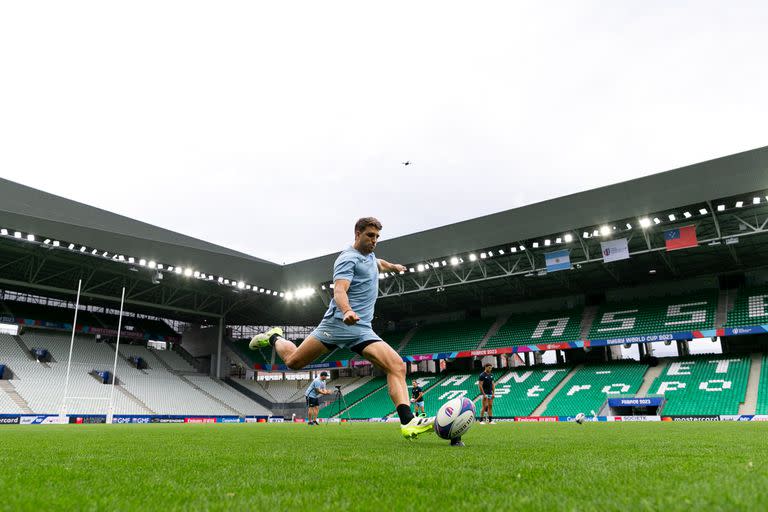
607, 466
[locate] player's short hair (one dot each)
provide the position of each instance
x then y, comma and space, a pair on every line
364, 222
486, 365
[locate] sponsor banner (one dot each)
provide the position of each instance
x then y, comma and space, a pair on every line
635, 402
87, 420
43, 419
168, 420
131, 419
377, 420
276, 419
615, 250
359, 362
740, 331
536, 419
760, 417
229, 420
251, 420
737, 417
636, 418
10, 420
691, 418
199, 420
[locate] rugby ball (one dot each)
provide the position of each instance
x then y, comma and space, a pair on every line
454, 418
579, 418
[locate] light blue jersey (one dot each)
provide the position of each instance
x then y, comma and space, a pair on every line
362, 272
315, 385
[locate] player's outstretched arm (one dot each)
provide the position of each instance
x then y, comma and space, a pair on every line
386, 266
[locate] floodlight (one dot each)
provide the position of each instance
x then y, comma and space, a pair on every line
131, 259
30, 238
483, 255
687, 215
585, 235
105, 254
420, 267
83, 248
595, 233
513, 249
721, 207
179, 270
605, 230
558, 240
672, 217
196, 273
94, 252
3, 232
547, 242
568, 238
17, 234
645, 222
656, 220
522, 247
454, 261
240, 285
472, 257
739, 204
289, 296
755, 200
703, 211
56, 243
47, 241
188, 271
443, 263
490, 254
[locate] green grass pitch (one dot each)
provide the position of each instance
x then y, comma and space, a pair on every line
606, 466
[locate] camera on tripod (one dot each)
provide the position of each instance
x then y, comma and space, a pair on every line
337, 386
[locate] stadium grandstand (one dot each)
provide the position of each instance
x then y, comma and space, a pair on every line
647, 298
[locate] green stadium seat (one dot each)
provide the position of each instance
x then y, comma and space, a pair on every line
751, 308
592, 385
762, 392
330, 409
379, 405
536, 328
657, 316
703, 385
448, 337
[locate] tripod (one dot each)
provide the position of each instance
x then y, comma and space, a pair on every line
339, 401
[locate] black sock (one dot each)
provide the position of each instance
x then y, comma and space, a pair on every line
405, 414
490, 419
273, 339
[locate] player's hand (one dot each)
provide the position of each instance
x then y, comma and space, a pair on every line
412, 400
399, 268
351, 318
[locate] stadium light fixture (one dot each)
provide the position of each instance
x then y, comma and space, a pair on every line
170, 267
454, 261
240, 285
220, 280
585, 234
483, 255
381, 276
261, 290
629, 226
56, 243
210, 277
443, 263
83, 248
535, 245
322, 287
605, 230
739, 204
513, 249
645, 222
687, 215
568, 238
247, 287
281, 294
4, 232
105, 254
47, 241
501, 251
289, 296
522, 247
595, 232
131, 259
94, 252
71, 247
196, 273
755, 200
226, 281
274, 293
435, 265
672, 217
420, 267
652, 271
547, 242
472, 257
160, 266
30, 238
558, 240
17, 234
411, 270
656, 221
703, 211
121, 258
188, 272
490, 254
721, 207
143, 262
178, 270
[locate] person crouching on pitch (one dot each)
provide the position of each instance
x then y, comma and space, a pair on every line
312, 394
347, 323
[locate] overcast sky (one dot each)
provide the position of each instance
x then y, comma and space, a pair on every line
269, 127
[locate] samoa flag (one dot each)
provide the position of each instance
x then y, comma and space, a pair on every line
681, 238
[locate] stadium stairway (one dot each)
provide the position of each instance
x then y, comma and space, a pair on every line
406, 339
133, 398
16, 398
178, 349
215, 399
650, 377
725, 302
24, 347
587, 318
493, 330
552, 394
753, 381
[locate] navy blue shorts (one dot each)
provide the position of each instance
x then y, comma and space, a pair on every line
313, 402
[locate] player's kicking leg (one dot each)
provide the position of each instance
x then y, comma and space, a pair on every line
385, 357
294, 357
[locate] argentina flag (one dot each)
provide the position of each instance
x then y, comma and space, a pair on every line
558, 260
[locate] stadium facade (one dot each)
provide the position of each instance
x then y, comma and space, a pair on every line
667, 258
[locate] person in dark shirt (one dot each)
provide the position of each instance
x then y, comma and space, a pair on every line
417, 399
487, 389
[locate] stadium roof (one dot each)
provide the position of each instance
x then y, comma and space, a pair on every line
504, 276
